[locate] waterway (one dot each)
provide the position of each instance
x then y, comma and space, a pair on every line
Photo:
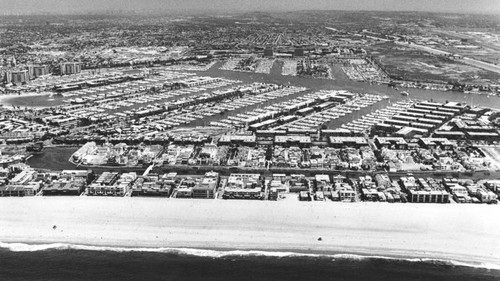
340, 82
57, 158
53, 158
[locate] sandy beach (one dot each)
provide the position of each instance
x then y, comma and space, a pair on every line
457, 232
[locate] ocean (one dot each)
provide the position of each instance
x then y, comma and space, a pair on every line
67, 262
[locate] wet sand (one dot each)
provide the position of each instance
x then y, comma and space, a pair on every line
458, 232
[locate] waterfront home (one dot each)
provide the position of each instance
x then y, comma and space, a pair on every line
345, 192
23, 177
151, 185
12, 190
68, 182
423, 191
322, 183
207, 187
243, 186
102, 184
298, 183
185, 187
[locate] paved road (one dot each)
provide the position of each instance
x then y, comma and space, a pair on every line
226, 170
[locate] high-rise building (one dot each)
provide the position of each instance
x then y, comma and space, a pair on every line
31, 71
17, 77
39, 70
71, 68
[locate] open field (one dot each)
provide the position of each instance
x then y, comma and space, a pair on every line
410, 64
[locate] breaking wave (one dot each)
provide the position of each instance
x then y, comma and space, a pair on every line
23, 247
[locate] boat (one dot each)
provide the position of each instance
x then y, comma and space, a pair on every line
404, 93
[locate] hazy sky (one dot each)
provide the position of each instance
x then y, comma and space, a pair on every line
75, 6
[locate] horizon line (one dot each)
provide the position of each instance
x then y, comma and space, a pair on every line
181, 12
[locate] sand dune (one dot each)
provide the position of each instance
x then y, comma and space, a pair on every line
458, 232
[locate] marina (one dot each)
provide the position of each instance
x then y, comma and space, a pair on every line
249, 141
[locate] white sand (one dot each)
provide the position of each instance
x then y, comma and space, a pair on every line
458, 232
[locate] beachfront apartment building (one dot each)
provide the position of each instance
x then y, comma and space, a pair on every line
428, 196
470, 193
382, 190
243, 186
343, 192
11, 190
151, 185
298, 183
102, 186
278, 183
480, 194
207, 187
24, 183
64, 186
493, 185
19, 190
459, 192
122, 185
423, 191
185, 187
69, 182
322, 183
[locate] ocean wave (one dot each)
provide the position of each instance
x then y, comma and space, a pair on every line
23, 247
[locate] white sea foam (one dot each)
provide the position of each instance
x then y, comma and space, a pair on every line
22, 247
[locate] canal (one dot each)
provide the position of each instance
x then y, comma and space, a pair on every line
57, 158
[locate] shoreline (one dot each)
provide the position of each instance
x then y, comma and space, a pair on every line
225, 252
420, 231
